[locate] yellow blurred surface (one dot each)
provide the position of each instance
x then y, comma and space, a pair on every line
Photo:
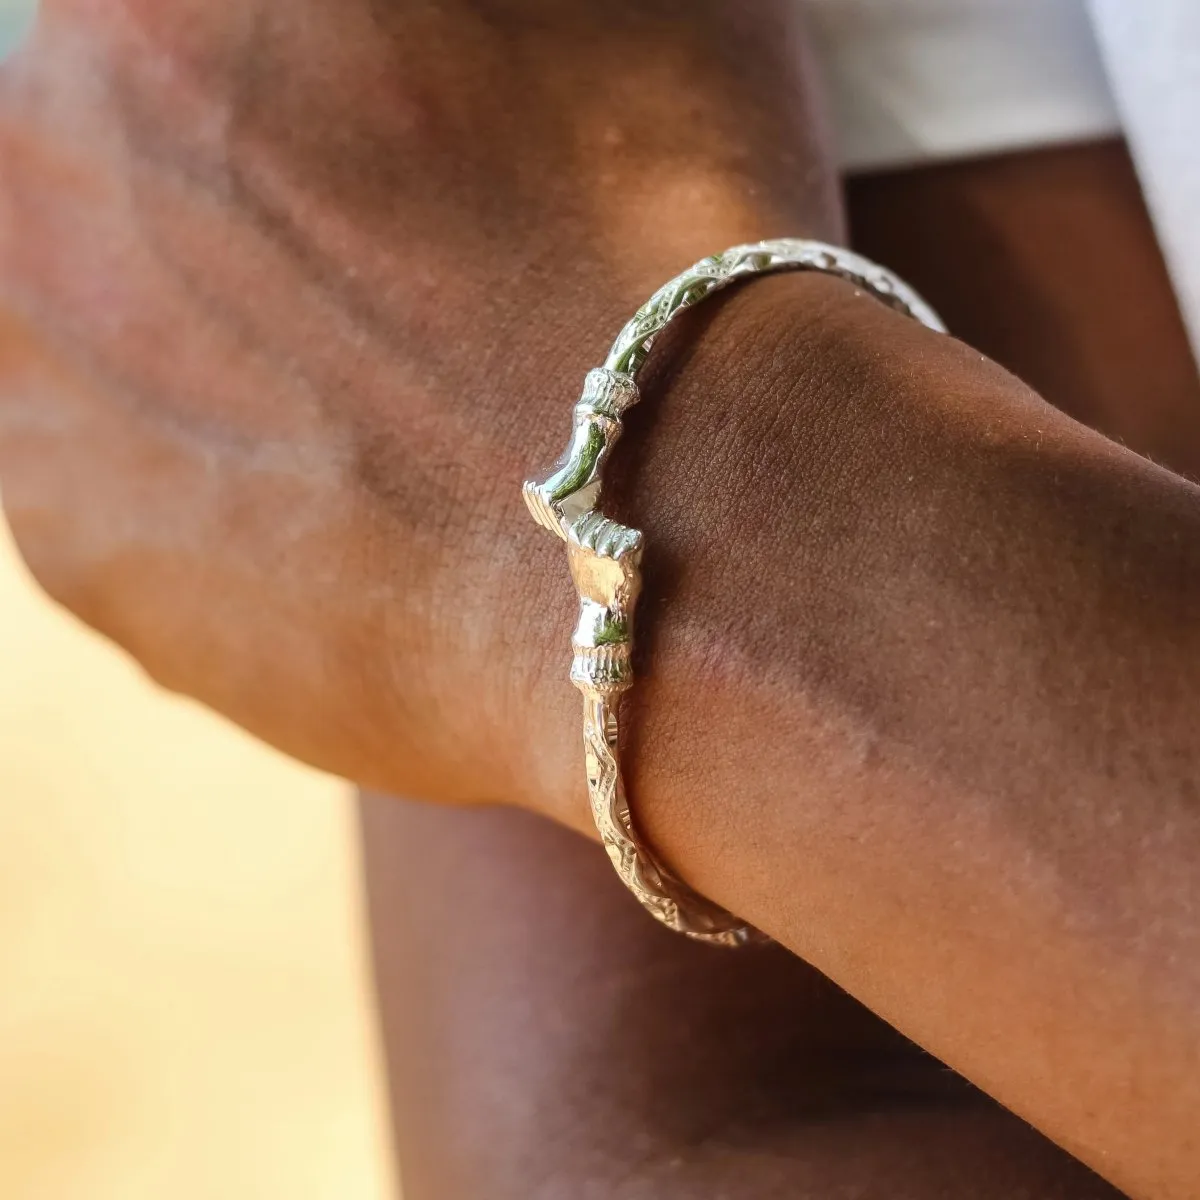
184, 1006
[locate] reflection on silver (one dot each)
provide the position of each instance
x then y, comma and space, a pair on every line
605, 557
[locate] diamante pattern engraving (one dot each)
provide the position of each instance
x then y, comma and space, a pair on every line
605, 556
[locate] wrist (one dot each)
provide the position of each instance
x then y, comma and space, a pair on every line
876, 563
729, 445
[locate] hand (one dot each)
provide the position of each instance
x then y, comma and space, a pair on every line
292, 301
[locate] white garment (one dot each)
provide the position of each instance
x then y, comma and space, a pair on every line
918, 80
915, 80
1152, 51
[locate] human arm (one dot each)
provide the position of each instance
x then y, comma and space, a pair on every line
947, 754
543, 1039
288, 369
287, 289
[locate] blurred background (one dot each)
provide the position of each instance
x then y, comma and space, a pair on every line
15, 16
184, 993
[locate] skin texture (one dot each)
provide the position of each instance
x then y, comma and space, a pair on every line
286, 291
975, 735
294, 297
546, 1041
1047, 262
683, 1072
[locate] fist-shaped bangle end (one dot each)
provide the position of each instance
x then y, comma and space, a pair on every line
572, 488
605, 558
541, 507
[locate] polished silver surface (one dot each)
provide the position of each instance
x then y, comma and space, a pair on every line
605, 557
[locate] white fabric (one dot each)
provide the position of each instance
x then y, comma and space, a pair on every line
1152, 51
912, 81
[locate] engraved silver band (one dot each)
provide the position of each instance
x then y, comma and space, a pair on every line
605, 556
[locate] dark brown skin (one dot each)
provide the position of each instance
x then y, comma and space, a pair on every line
681, 1071
1047, 262
295, 294
546, 1041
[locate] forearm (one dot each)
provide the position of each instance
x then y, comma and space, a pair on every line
545, 1040
918, 701
306, 300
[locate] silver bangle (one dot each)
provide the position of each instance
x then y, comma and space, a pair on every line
605, 557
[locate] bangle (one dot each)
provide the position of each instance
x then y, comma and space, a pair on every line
605, 557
